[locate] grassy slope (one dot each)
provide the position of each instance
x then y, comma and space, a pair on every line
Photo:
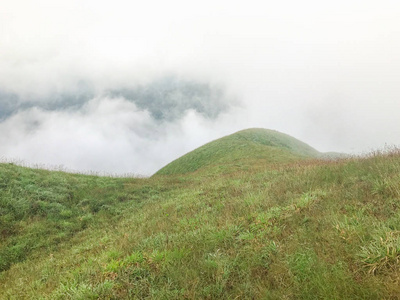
300, 229
251, 144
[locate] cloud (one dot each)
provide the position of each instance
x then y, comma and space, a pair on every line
326, 73
135, 130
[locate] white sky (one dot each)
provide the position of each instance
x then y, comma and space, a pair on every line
326, 72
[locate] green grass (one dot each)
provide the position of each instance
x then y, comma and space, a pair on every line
292, 228
242, 149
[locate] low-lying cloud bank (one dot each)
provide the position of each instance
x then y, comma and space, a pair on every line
126, 130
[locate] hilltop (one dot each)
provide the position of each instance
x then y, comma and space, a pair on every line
242, 148
266, 218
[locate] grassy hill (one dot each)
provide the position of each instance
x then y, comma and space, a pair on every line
296, 227
242, 148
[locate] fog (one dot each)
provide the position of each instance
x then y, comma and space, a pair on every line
126, 87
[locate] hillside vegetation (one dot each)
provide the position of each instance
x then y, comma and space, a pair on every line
242, 148
277, 223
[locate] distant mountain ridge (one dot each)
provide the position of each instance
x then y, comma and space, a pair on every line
167, 98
